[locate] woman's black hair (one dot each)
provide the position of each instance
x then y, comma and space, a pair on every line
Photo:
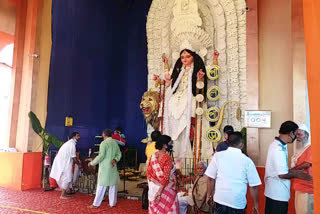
119, 129
155, 135
197, 65
162, 140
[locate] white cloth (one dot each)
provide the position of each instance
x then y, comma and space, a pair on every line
178, 113
153, 189
100, 192
183, 204
64, 182
304, 203
232, 171
61, 169
76, 174
277, 188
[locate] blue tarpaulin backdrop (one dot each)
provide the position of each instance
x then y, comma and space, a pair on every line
98, 69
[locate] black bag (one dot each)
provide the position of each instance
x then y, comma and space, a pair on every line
145, 201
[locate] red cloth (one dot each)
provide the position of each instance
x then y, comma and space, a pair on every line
193, 123
301, 185
159, 170
53, 183
165, 165
117, 136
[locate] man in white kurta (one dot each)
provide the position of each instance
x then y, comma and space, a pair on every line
108, 176
62, 165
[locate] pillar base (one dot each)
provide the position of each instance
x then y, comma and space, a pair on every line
20, 171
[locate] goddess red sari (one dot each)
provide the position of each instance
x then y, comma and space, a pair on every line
161, 172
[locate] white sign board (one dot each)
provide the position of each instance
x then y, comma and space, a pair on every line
257, 119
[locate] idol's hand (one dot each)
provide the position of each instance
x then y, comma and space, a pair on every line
200, 74
215, 54
89, 164
167, 76
168, 82
164, 59
156, 77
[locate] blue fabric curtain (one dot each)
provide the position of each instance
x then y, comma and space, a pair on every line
98, 69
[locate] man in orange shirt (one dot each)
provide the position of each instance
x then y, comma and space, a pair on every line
301, 160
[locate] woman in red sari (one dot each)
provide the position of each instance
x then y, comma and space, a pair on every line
162, 193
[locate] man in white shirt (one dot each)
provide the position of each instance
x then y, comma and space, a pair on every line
61, 169
230, 172
278, 175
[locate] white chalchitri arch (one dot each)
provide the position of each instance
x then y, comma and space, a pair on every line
204, 25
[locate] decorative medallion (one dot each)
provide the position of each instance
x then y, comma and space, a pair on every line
200, 85
212, 114
199, 98
213, 72
213, 93
199, 111
213, 135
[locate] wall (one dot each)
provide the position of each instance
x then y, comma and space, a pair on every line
253, 76
11, 170
7, 30
299, 67
7, 16
20, 171
275, 68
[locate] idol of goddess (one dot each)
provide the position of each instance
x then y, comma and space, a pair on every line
180, 102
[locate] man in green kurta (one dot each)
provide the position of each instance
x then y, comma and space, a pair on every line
108, 176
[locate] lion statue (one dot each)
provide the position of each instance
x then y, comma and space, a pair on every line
150, 108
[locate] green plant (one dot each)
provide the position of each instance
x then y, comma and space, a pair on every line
47, 138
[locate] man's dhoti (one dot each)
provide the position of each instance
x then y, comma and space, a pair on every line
303, 203
64, 181
100, 192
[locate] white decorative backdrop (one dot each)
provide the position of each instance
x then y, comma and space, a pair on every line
207, 25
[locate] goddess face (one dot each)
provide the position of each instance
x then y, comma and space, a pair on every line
186, 59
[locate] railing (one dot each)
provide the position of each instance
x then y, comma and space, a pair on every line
187, 175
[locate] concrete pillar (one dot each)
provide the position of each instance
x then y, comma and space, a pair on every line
30, 72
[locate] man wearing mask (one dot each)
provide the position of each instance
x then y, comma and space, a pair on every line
278, 175
62, 165
301, 160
